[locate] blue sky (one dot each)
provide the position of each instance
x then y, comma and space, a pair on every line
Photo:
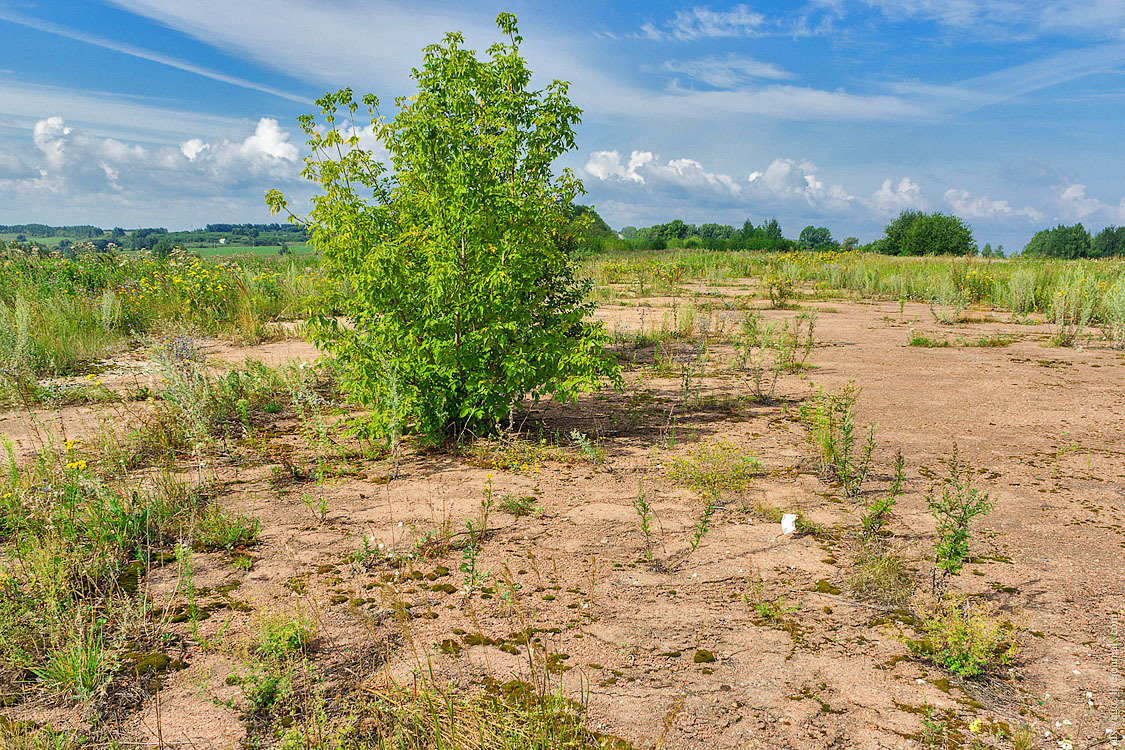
838, 113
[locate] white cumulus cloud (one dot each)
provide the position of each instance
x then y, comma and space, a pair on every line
892, 198
964, 204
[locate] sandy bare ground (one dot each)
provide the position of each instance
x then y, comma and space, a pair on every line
1045, 426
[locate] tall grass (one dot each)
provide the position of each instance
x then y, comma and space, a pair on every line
1023, 286
66, 609
59, 313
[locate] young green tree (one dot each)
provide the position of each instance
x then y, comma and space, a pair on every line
457, 261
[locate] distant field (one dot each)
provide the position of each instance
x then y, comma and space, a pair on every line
203, 250
256, 250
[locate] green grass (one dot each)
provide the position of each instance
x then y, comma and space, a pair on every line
262, 250
59, 315
928, 343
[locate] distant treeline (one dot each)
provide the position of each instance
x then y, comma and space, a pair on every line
159, 238
1076, 242
767, 236
910, 233
79, 232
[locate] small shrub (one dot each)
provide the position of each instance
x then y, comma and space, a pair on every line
962, 637
781, 289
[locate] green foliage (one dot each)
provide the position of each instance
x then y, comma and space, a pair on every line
80, 667
226, 531
283, 638
964, 638
1073, 306
926, 342
816, 238
75, 550
715, 467
919, 233
1063, 242
459, 261
1108, 243
832, 429
954, 509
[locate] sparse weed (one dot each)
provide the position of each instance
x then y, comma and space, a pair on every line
518, 505
953, 511
592, 451
644, 513
831, 423
875, 519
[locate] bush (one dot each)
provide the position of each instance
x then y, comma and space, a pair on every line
461, 266
918, 233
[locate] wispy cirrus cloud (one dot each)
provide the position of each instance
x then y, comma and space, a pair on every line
144, 54
1009, 21
701, 22
731, 71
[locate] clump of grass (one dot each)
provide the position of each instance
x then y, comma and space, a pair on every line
881, 575
506, 716
714, 467
921, 340
79, 668
995, 341
219, 530
963, 637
